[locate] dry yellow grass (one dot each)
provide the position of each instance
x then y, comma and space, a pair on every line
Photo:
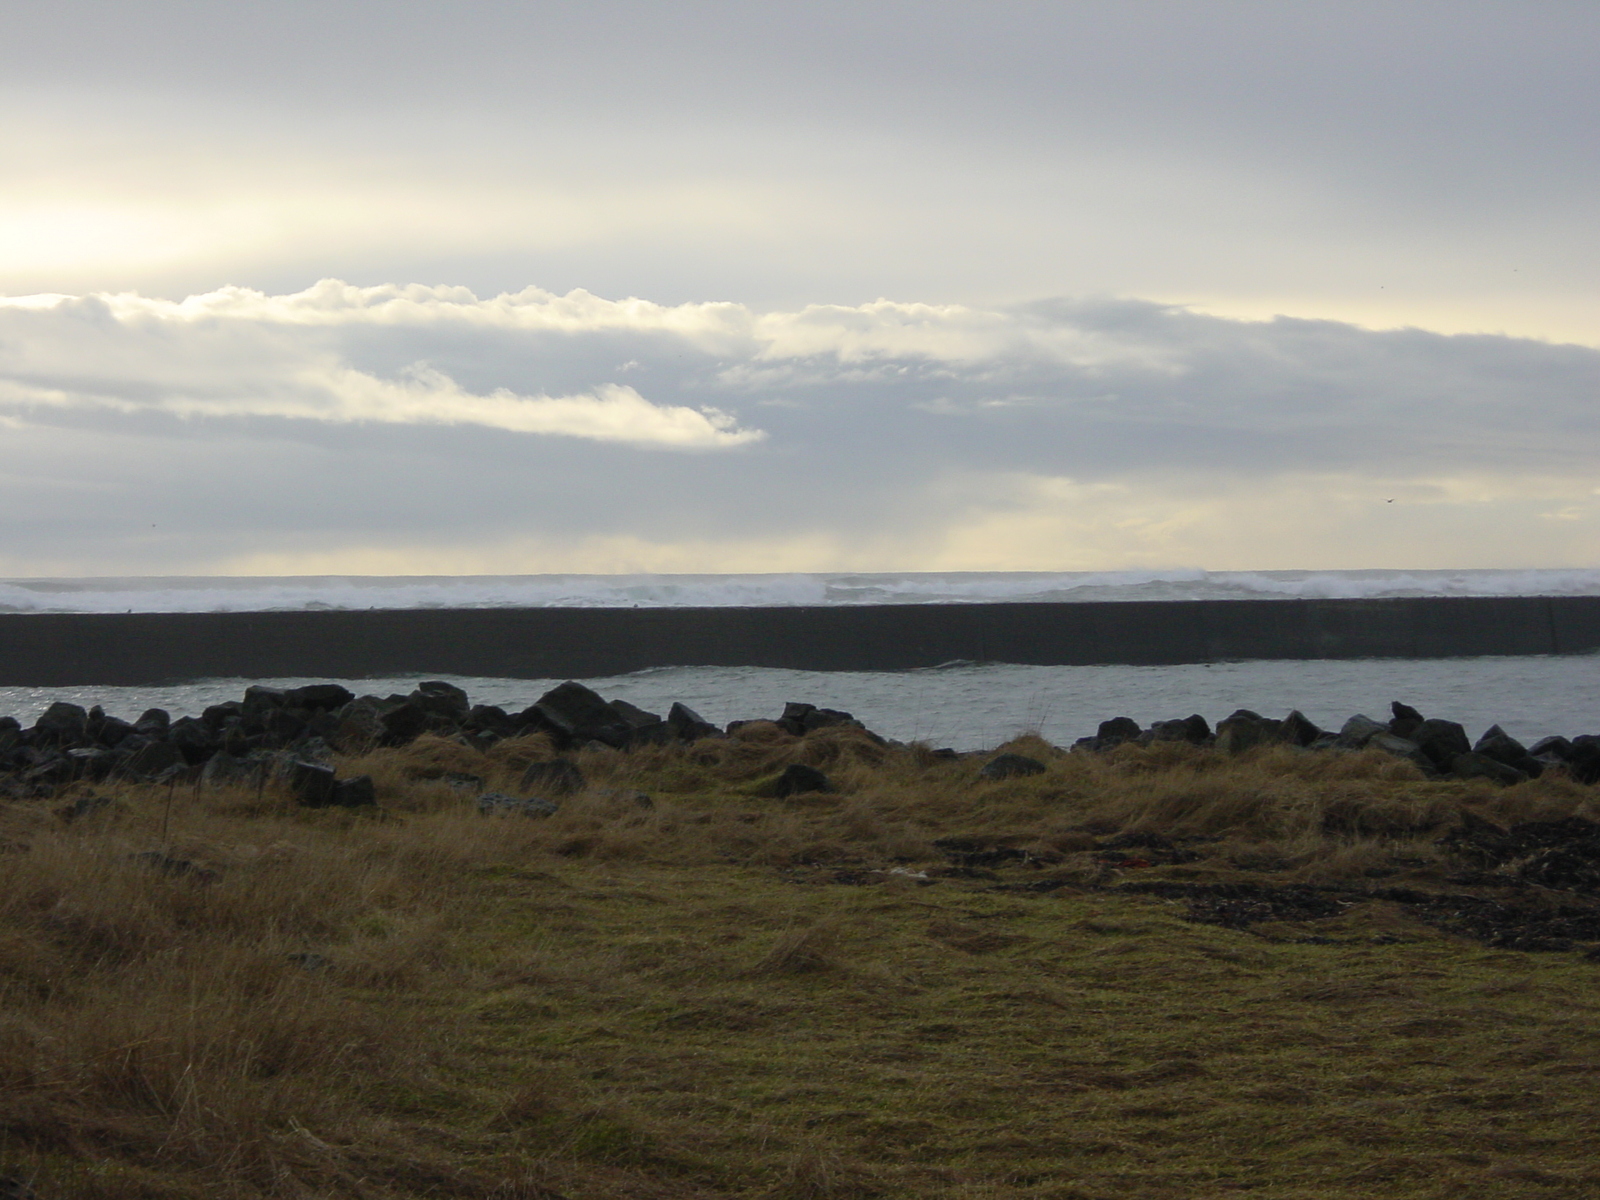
723, 994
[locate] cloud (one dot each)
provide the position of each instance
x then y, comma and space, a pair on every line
523, 431
224, 356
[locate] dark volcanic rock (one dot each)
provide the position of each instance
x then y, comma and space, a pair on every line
1010, 766
440, 699
797, 779
1558, 748
583, 716
1358, 731
489, 718
1441, 741
1405, 721
223, 769
194, 741
1297, 730
1583, 760
402, 723
1497, 744
62, 724
1481, 766
312, 784
153, 723
1192, 729
635, 716
1116, 731
689, 725
1402, 748
153, 760
325, 697
1243, 730
356, 792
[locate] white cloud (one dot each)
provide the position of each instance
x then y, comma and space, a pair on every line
219, 356
239, 426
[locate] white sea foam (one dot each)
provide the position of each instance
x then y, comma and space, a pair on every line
258, 594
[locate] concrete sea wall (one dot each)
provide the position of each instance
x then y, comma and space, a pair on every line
42, 650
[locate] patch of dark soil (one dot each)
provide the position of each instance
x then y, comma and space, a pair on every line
976, 852
1051, 883
1130, 850
1519, 922
1564, 854
1240, 905
1515, 923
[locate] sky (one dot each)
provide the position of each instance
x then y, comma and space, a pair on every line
403, 288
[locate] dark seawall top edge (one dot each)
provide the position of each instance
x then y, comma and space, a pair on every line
132, 649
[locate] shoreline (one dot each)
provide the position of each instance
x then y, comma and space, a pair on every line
131, 649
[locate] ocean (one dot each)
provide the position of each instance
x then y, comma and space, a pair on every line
965, 705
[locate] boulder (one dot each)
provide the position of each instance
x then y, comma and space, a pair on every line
582, 715
1550, 749
1583, 761
62, 724
1402, 748
92, 762
259, 700
1441, 741
402, 723
1358, 731
1011, 766
324, 697
1116, 731
826, 718
440, 699
360, 724
193, 739
153, 723
489, 718
1497, 744
1405, 720
223, 769
152, 760
219, 716
1474, 765
689, 725
282, 725
1244, 730
558, 777
1297, 730
356, 792
798, 779
50, 772
635, 716
312, 784
112, 731
644, 728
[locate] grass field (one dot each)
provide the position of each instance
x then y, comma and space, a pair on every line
220, 994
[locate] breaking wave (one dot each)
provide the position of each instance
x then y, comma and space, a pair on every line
264, 594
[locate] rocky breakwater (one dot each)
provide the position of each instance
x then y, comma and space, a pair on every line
291, 737
1440, 749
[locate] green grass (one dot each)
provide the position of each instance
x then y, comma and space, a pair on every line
687, 1001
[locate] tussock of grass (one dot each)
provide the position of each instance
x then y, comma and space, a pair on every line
720, 994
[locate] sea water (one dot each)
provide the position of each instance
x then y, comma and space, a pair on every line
976, 706
965, 706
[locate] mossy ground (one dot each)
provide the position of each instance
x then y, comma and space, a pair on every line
726, 995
